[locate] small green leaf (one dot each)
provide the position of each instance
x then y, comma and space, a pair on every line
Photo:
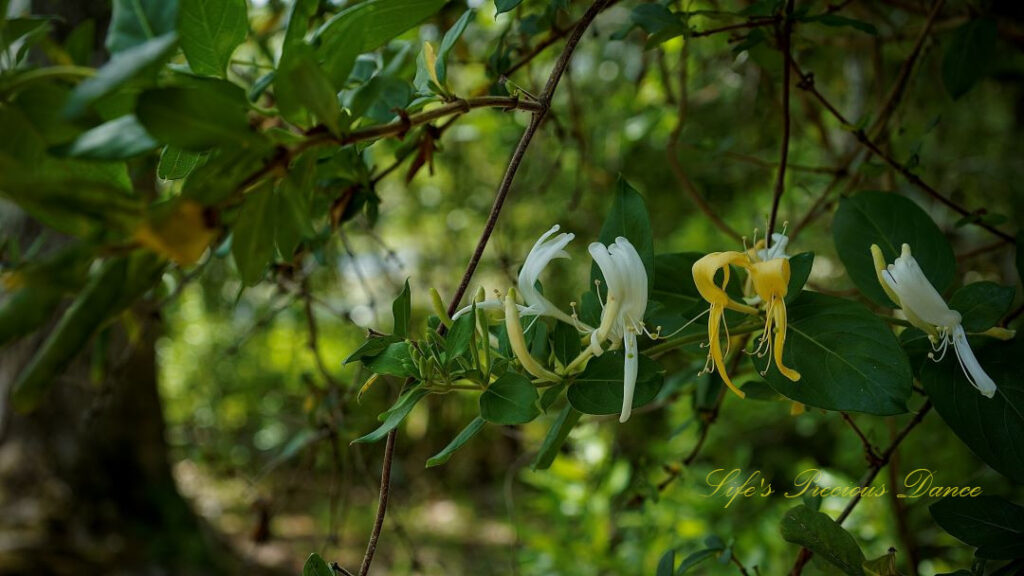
448, 42
565, 342
982, 304
395, 360
511, 399
847, 357
176, 163
294, 197
503, 6
394, 415
696, 558
364, 27
301, 85
823, 536
123, 67
135, 22
889, 220
598, 389
373, 346
667, 564
401, 310
252, 241
882, 566
200, 116
993, 428
210, 31
465, 436
460, 336
992, 524
315, 566
969, 55
115, 140
628, 218
799, 271
556, 436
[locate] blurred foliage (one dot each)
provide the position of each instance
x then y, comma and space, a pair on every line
282, 243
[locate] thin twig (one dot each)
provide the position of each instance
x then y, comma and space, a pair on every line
539, 112
785, 35
805, 555
869, 450
672, 151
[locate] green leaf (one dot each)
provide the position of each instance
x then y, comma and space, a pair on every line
115, 140
394, 415
225, 172
847, 357
176, 163
993, 428
294, 197
598, 389
628, 218
252, 242
364, 27
674, 299
210, 31
982, 304
799, 271
556, 436
659, 22
401, 310
315, 566
511, 399
969, 55
696, 558
448, 42
992, 524
565, 342
823, 536
125, 66
395, 360
460, 336
667, 564
373, 346
200, 116
889, 220
503, 6
465, 436
300, 85
80, 41
135, 22
112, 289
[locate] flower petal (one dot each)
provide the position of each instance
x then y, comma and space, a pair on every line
972, 368
630, 368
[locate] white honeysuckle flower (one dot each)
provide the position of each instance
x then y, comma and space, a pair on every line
776, 250
543, 252
622, 315
906, 284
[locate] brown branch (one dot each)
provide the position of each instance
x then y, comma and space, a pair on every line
869, 450
543, 105
743, 26
672, 151
785, 35
869, 476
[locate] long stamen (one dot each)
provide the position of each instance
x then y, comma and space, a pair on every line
684, 326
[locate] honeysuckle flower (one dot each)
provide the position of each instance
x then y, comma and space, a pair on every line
623, 309
543, 252
905, 283
769, 274
517, 340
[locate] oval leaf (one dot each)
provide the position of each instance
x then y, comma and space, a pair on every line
889, 220
847, 357
598, 389
210, 31
982, 304
992, 524
511, 399
823, 536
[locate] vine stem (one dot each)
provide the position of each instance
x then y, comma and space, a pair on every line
785, 35
872, 472
543, 105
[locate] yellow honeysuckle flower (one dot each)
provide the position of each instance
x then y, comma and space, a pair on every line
704, 271
769, 278
183, 235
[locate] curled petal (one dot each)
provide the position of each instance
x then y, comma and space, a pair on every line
517, 341
631, 367
780, 341
972, 368
715, 348
771, 279
704, 271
